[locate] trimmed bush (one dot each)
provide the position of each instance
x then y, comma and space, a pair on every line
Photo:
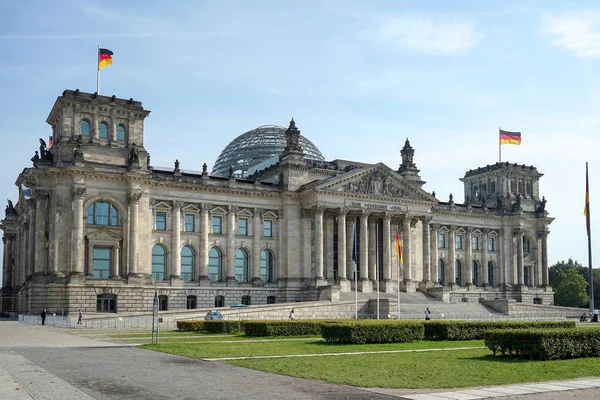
362, 332
282, 328
222, 326
544, 344
475, 330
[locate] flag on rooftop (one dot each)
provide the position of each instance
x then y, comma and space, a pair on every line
104, 58
507, 137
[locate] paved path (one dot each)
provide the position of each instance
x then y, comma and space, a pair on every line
41, 362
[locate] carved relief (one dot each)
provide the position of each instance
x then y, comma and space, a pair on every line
177, 205
205, 207
376, 183
79, 193
343, 211
134, 197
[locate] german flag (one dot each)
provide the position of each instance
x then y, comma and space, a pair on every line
104, 58
399, 248
507, 137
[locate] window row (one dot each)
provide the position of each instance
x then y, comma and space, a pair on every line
441, 270
108, 302
103, 130
217, 227
458, 242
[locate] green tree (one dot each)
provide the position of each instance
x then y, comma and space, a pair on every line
571, 289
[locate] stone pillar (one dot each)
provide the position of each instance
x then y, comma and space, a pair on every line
319, 210
116, 260
435, 254
467, 277
485, 278
349, 244
204, 245
89, 270
5, 264
95, 133
78, 238
373, 261
230, 275
364, 284
451, 278
134, 201
341, 243
426, 251
387, 253
40, 233
175, 240
112, 134
55, 239
30, 249
520, 272
544, 236
306, 234
256, 231
406, 248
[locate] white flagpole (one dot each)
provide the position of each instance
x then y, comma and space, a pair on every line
398, 277
355, 273
98, 71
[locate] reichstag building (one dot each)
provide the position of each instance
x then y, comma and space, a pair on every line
96, 226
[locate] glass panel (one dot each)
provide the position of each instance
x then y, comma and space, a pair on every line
189, 220
219, 301
159, 263
187, 263
442, 240
475, 276
91, 215
241, 265
101, 263
491, 274
103, 130
458, 272
246, 300
101, 213
161, 221
459, 241
441, 277
217, 224
114, 216
84, 128
267, 228
266, 266
243, 226
120, 132
475, 243
491, 246
191, 302
214, 265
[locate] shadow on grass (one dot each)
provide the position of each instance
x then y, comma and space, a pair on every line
498, 358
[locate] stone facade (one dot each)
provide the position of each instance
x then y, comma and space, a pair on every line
97, 227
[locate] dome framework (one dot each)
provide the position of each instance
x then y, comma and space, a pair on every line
257, 146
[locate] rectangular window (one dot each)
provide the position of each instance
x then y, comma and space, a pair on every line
268, 228
189, 221
491, 244
102, 261
191, 302
161, 221
217, 224
475, 240
243, 227
459, 244
219, 301
163, 303
442, 240
246, 300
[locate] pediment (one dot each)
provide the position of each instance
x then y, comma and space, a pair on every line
244, 213
379, 181
190, 208
269, 214
104, 235
218, 210
162, 205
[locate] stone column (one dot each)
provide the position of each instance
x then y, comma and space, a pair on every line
256, 231
387, 253
307, 217
112, 134
134, 201
406, 247
55, 239
373, 261
426, 254
485, 278
30, 249
78, 238
204, 245
319, 210
95, 133
230, 275
116, 260
520, 273
341, 243
364, 284
435, 254
40, 233
467, 277
351, 221
175, 240
544, 236
90, 261
451, 278
5, 264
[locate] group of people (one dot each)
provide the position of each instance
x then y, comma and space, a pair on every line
45, 314
583, 317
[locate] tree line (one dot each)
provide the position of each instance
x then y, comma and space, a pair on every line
570, 282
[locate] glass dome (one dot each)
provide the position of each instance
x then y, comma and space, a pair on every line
258, 146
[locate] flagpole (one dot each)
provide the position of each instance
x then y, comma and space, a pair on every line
398, 276
499, 147
589, 235
354, 256
377, 264
98, 72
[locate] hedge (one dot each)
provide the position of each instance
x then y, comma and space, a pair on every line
283, 328
221, 326
361, 332
540, 344
473, 330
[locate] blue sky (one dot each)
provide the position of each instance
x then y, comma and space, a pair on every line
358, 77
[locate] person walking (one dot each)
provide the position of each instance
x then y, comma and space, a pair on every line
427, 314
44, 317
79, 316
292, 314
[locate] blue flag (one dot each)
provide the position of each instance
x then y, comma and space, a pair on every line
354, 245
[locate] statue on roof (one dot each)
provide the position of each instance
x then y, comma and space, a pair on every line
292, 135
134, 155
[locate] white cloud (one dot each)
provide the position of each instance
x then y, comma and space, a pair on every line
578, 31
439, 35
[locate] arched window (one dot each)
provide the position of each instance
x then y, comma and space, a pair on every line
159, 263
241, 265
84, 127
475, 273
529, 188
441, 273
513, 186
103, 213
121, 132
187, 263
215, 264
526, 245
475, 192
106, 303
493, 187
103, 130
266, 266
458, 272
521, 188
491, 273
